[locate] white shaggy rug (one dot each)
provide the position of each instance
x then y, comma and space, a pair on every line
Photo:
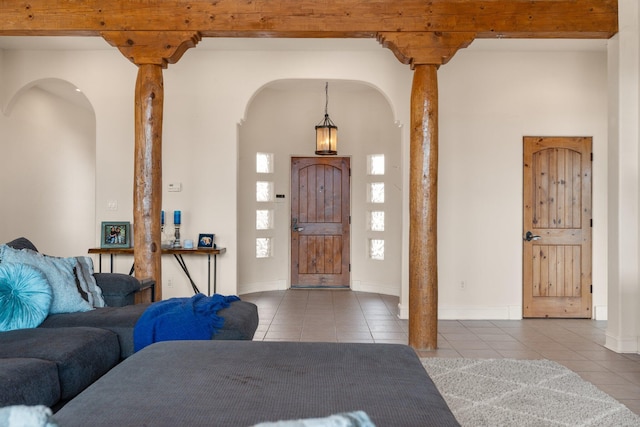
507, 392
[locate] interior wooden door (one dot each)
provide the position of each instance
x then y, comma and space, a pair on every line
320, 222
557, 227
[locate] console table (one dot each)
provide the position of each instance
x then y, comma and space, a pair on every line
177, 253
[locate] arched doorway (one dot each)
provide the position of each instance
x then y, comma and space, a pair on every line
50, 127
279, 125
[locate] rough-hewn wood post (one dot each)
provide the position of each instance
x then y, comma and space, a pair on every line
151, 51
425, 52
147, 191
423, 205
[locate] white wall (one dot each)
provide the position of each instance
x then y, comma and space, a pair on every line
207, 95
623, 327
47, 172
489, 100
108, 83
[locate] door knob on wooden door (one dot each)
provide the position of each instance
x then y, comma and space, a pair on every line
294, 225
530, 236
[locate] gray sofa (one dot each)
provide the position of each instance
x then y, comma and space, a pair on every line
52, 363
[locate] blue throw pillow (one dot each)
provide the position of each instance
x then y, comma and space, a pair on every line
59, 274
25, 297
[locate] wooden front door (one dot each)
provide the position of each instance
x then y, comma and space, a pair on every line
320, 222
557, 227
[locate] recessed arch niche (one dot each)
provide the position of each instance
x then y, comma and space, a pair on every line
280, 119
51, 128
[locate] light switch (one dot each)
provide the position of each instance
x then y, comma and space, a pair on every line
112, 205
175, 187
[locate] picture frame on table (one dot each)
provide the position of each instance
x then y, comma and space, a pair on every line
206, 241
115, 234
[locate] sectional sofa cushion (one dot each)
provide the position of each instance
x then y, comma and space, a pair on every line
120, 320
82, 354
22, 243
25, 296
117, 289
28, 381
240, 322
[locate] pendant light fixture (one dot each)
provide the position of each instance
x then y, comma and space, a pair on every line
326, 131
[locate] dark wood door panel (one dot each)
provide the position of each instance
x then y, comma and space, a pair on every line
320, 209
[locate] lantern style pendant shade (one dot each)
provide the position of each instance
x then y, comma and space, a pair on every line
326, 132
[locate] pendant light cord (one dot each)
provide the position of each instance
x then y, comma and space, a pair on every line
326, 97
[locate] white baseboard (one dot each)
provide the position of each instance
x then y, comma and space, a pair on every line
621, 344
471, 313
600, 312
356, 285
403, 311
376, 288
249, 288
480, 313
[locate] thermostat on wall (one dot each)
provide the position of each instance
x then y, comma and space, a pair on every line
175, 186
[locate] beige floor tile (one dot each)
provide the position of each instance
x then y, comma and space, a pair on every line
621, 391
345, 335
389, 336
520, 354
603, 377
632, 404
508, 345
440, 352
580, 366
474, 344
282, 336
480, 354
454, 337
557, 355
621, 366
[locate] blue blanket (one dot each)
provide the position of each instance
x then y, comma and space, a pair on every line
192, 318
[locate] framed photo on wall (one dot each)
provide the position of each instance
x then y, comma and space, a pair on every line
206, 241
115, 234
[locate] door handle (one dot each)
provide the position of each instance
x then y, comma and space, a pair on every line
530, 236
294, 225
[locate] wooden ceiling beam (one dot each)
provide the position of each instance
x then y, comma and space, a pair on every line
311, 18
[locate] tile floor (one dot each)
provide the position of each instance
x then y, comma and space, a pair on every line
346, 316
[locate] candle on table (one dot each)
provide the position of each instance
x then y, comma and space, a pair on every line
162, 218
176, 217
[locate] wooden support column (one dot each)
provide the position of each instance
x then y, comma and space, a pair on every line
147, 191
151, 51
423, 206
425, 52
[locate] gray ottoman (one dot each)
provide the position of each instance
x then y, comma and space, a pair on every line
241, 383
